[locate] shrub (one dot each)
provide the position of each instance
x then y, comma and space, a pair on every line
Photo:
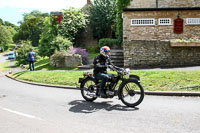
61, 44
22, 52
83, 52
73, 21
108, 42
3, 47
11, 46
93, 49
50, 31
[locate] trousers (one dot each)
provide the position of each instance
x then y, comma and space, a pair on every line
104, 78
31, 65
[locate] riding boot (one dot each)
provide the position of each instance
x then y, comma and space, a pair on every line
102, 93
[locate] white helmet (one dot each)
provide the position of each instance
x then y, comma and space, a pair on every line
105, 50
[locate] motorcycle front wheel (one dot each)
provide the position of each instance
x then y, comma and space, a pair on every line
88, 90
131, 93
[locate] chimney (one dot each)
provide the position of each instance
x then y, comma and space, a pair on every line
88, 2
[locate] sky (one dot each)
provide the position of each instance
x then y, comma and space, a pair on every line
13, 10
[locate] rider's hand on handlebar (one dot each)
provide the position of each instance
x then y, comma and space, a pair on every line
121, 69
110, 66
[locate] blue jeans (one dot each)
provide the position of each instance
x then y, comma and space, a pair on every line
31, 65
104, 78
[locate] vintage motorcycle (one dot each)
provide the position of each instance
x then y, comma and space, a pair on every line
127, 87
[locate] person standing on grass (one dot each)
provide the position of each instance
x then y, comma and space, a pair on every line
31, 59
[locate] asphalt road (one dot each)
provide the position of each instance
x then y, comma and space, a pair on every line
27, 108
3, 58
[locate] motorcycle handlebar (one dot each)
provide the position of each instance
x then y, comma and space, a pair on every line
117, 69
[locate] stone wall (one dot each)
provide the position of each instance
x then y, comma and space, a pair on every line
145, 54
69, 60
74, 60
179, 3
142, 4
163, 3
158, 32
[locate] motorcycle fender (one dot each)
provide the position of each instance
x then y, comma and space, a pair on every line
81, 80
125, 81
131, 80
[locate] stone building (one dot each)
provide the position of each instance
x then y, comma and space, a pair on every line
148, 27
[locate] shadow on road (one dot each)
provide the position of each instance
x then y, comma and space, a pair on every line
81, 106
5, 54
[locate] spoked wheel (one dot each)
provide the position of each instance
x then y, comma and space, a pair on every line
131, 94
88, 90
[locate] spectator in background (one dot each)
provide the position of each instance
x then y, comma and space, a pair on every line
31, 59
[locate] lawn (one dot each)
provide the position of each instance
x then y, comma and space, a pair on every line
151, 80
69, 78
4, 52
4, 66
92, 55
170, 80
43, 64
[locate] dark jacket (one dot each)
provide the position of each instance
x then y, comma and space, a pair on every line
101, 63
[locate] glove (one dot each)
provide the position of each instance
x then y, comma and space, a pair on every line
105, 65
110, 66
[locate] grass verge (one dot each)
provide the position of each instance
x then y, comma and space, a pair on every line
69, 78
92, 55
1, 53
4, 66
151, 80
43, 64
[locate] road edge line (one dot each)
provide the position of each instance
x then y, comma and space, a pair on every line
46, 85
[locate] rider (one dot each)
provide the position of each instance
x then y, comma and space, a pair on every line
101, 63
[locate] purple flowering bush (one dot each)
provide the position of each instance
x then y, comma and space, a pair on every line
83, 52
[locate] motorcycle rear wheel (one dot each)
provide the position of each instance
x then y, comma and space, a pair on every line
131, 93
88, 90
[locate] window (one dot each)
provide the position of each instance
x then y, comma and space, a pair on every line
164, 21
193, 21
145, 21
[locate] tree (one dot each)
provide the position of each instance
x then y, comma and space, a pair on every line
7, 23
49, 33
1, 21
31, 27
57, 36
72, 22
102, 17
22, 52
6, 36
50, 40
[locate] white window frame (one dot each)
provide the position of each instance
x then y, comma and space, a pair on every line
164, 19
142, 21
192, 21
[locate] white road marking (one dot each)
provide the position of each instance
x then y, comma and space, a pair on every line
22, 114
